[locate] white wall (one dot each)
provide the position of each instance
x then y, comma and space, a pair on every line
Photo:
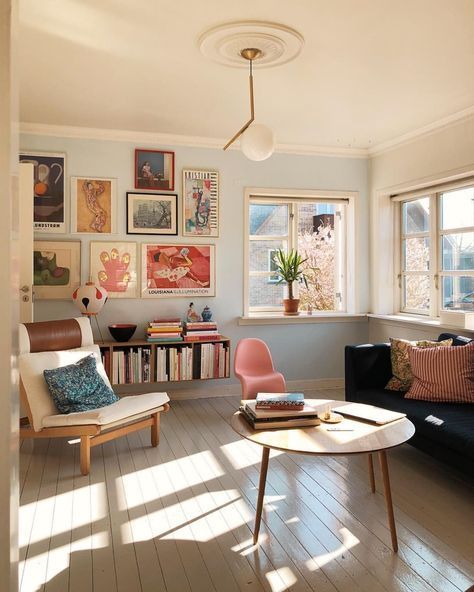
316, 349
431, 159
9, 417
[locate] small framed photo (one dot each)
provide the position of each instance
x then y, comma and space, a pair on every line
154, 169
169, 271
93, 205
200, 203
56, 269
113, 265
49, 190
152, 213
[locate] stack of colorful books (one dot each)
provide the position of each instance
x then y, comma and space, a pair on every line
201, 331
279, 410
165, 330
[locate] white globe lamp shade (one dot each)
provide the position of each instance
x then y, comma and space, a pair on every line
258, 142
90, 298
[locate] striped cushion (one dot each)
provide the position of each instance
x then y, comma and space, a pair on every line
443, 374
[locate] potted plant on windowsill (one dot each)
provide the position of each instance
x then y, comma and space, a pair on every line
288, 266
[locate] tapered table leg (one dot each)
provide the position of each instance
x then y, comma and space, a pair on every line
261, 492
388, 499
371, 473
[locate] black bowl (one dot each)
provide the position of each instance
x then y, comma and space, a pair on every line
122, 332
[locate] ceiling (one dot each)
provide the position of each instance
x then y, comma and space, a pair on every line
370, 70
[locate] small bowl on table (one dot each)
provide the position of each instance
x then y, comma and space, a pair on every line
122, 331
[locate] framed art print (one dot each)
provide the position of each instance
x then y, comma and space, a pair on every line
56, 269
154, 169
93, 205
200, 203
152, 213
49, 189
113, 265
178, 270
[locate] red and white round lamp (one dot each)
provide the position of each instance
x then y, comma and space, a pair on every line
90, 298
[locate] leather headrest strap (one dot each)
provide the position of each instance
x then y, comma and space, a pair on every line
54, 335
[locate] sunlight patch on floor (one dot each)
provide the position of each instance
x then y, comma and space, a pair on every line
135, 496
348, 541
236, 453
188, 518
281, 579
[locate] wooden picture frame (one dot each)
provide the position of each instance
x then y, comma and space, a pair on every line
49, 190
200, 208
154, 169
174, 270
152, 213
56, 269
93, 205
114, 266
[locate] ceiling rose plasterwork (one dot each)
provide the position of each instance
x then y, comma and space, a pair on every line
278, 43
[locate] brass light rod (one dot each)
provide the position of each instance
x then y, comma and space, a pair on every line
249, 54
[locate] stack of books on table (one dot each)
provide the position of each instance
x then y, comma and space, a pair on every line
201, 331
165, 330
279, 410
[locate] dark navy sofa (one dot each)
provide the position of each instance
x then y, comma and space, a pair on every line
444, 430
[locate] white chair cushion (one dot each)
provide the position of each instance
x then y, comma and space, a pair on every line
127, 409
31, 373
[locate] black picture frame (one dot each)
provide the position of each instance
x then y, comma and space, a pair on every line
152, 213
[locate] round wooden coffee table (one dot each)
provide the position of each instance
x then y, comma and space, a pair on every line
360, 438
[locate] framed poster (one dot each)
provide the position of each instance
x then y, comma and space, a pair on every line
154, 169
49, 188
93, 205
178, 270
56, 269
113, 265
152, 213
200, 203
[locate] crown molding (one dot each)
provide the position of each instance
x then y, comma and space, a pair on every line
170, 140
421, 132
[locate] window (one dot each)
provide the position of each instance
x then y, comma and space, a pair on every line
437, 251
316, 228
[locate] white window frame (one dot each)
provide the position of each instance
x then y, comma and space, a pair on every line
435, 234
348, 257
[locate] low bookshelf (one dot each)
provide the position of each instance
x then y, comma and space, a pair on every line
140, 362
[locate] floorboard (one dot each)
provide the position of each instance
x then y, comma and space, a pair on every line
179, 517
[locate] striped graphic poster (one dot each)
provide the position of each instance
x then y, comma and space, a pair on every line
200, 203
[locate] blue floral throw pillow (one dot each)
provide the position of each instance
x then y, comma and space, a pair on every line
79, 387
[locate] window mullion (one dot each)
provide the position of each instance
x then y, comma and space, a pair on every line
435, 263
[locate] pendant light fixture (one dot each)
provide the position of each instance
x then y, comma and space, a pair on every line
258, 140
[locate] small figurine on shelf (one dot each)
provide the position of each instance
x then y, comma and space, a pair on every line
206, 314
192, 316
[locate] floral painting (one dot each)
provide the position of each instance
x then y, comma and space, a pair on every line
201, 203
93, 205
178, 270
113, 265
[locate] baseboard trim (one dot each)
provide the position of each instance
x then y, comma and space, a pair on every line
231, 390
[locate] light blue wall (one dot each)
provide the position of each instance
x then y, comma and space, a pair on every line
300, 351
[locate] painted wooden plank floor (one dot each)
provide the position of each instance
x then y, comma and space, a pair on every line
179, 518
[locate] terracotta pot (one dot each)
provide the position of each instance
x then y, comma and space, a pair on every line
291, 306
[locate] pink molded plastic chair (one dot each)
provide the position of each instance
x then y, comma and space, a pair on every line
253, 366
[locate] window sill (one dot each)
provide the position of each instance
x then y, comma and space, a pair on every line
420, 321
278, 318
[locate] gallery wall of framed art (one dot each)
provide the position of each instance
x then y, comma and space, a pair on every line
103, 211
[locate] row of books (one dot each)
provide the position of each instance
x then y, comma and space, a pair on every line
129, 366
205, 360
165, 330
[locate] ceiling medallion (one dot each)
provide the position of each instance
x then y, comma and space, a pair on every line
277, 43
